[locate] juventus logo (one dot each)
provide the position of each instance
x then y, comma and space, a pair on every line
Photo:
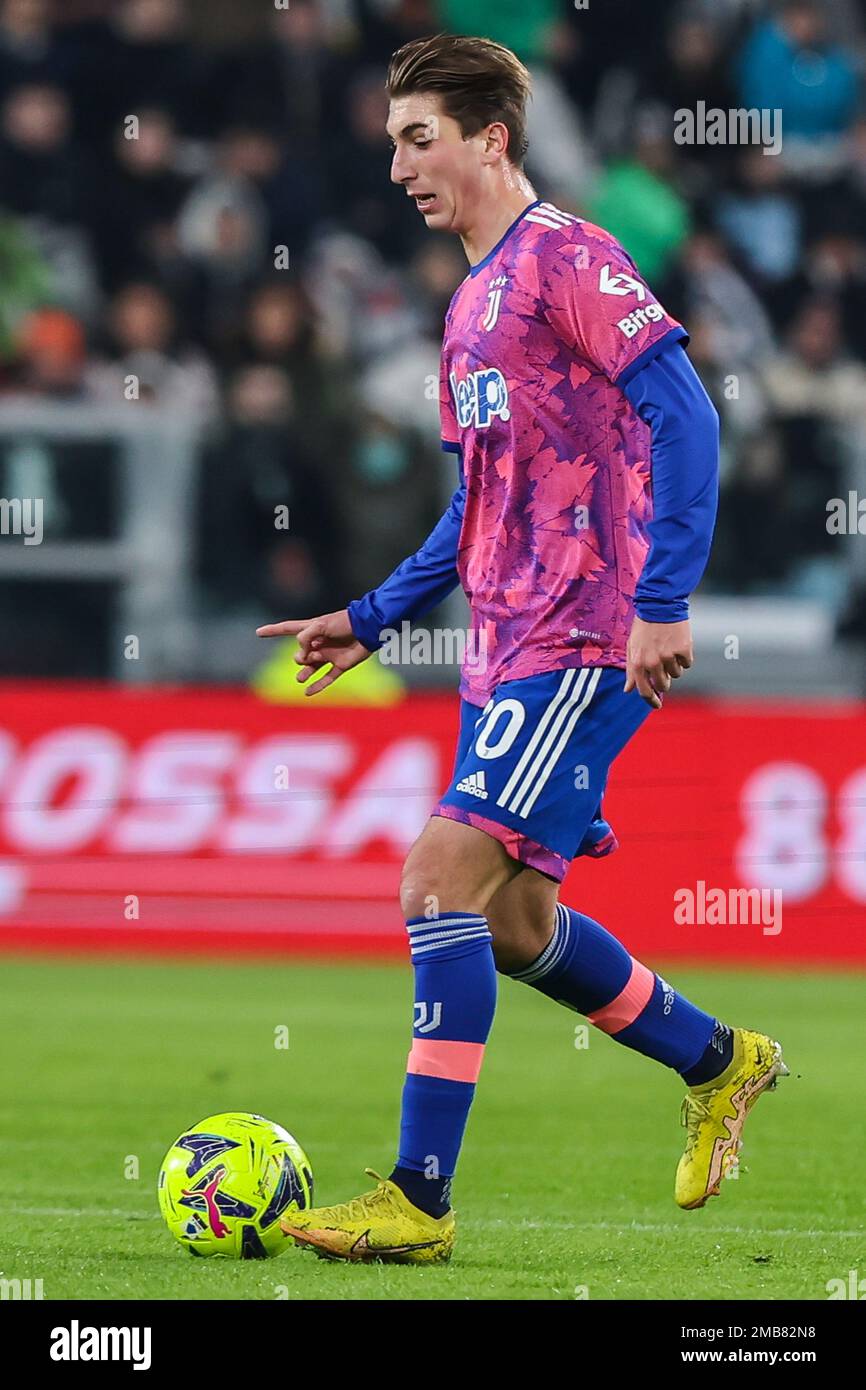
494, 299
421, 1023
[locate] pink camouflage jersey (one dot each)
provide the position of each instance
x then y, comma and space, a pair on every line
539, 340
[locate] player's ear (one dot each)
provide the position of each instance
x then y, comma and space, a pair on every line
495, 140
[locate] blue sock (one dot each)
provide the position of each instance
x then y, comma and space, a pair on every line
455, 999
587, 969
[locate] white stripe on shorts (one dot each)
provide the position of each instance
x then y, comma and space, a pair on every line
541, 764
565, 686
573, 717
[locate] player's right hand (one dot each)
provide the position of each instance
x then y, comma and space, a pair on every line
656, 654
324, 641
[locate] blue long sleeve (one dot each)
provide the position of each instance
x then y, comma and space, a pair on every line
417, 584
668, 394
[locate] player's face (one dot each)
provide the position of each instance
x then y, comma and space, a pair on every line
436, 166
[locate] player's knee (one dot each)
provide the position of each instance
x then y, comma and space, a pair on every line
428, 888
421, 882
452, 868
417, 898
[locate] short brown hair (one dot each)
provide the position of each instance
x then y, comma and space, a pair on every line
478, 80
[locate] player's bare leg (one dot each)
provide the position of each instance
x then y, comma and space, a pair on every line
451, 864
522, 916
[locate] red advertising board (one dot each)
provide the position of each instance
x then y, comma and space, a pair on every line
209, 820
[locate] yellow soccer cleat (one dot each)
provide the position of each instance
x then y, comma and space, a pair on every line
380, 1225
714, 1114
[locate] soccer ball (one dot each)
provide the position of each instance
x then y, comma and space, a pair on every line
225, 1183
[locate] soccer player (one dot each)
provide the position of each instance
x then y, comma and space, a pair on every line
588, 462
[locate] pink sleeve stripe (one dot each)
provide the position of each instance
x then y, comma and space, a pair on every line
629, 1003
453, 1061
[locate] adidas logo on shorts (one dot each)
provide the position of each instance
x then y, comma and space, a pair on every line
474, 785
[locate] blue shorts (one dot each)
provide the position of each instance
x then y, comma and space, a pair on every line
532, 766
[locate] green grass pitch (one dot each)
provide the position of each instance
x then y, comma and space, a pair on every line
566, 1184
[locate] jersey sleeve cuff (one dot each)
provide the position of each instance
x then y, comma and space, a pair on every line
673, 336
364, 624
654, 610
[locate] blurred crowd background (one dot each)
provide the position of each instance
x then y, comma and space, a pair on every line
239, 250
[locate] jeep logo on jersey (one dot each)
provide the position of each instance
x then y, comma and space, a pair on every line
639, 318
620, 284
480, 397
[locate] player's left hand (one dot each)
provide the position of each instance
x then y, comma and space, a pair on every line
657, 653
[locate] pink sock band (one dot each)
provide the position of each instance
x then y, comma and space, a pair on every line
629, 1003
453, 1061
